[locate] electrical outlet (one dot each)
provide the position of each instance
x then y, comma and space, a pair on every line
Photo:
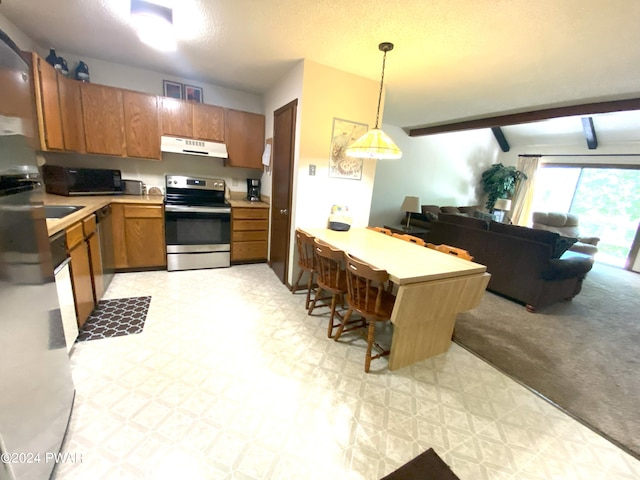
312, 170
234, 182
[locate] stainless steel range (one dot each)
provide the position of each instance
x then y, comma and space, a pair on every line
197, 223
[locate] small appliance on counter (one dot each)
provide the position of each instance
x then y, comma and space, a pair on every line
133, 187
81, 181
253, 189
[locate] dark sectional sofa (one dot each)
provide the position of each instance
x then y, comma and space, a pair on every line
524, 263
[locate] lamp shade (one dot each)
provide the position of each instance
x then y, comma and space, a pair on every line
411, 204
374, 144
502, 204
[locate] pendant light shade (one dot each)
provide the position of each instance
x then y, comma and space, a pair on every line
375, 143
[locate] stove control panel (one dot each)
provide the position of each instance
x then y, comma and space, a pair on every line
199, 183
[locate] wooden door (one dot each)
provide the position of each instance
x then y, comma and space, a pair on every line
284, 132
48, 105
208, 122
177, 118
103, 118
71, 110
142, 125
244, 136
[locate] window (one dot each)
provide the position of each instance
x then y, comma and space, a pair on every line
606, 200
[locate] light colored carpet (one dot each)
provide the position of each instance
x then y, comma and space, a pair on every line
583, 355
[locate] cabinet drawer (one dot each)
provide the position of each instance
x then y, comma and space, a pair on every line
89, 225
142, 211
249, 235
250, 225
74, 235
245, 213
249, 250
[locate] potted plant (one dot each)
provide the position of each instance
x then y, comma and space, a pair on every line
499, 181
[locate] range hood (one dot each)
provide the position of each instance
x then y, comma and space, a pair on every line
193, 147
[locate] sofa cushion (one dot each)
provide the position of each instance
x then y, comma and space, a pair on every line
463, 220
454, 210
435, 209
561, 223
558, 243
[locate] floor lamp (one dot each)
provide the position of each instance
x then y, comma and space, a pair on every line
411, 205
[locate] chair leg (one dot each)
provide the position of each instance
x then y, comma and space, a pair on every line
294, 287
345, 319
309, 287
370, 335
331, 326
311, 304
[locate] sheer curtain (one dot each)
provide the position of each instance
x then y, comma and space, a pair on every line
522, 201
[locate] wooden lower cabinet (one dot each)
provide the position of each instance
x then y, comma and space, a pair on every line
138, 232
80, 272
89, 227
249, 233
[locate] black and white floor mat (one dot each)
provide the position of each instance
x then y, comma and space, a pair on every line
115, 318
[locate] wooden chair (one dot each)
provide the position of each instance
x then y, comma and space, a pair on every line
304, 242
331, 279
448, 249
386, 231
367, 295
410, 238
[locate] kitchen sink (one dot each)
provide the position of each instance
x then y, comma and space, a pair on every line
60, 211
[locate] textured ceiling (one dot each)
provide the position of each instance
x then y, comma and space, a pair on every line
454, 59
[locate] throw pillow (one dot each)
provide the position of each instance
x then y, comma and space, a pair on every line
562, 245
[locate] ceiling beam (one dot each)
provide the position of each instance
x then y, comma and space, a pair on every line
527, 117
501, 139
589, 133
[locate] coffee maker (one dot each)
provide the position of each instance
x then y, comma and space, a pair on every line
253, 190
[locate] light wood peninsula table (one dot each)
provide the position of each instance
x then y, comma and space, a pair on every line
433, 288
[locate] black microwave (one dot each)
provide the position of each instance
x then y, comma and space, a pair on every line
81, 181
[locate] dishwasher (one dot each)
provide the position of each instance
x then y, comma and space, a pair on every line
62, 274
104, 219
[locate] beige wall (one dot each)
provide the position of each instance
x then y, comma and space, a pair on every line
327, 94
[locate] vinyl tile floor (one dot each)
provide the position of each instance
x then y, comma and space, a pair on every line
232, 379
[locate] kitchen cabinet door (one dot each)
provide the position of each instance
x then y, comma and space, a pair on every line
95, 260
80, 273
103, 118
119, 239
144, 232
47, 105
142, 125
208, 122
177, 118
71, 113
244, 136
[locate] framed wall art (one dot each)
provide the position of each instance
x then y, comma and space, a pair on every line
172, 89
344, 133
193, 94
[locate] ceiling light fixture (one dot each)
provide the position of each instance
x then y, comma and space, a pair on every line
375, 143
154, 24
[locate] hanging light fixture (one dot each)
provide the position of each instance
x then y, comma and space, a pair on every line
375, 143
154, 24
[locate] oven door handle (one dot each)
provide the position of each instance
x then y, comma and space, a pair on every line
183, 208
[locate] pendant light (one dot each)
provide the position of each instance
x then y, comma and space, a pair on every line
375, 143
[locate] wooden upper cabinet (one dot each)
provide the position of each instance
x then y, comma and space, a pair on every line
177, 117
244, 136
47, 105
71, 110
208, 122
103, 115
142, 125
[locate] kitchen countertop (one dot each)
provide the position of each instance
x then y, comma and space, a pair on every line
246, 203
91, 203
